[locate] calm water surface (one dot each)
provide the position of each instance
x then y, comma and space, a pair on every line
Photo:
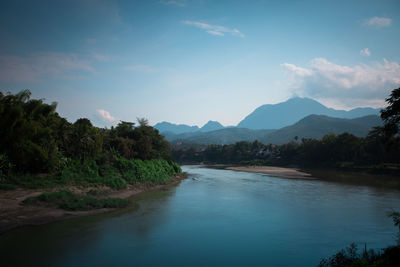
216, 217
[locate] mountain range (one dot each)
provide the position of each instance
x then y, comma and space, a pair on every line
283, 114
312, 126
273, 116
167, 127
278, 124
222, 136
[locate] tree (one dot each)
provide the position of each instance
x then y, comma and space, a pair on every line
86, 140
28, 132
391, 117
391, 114
396, 221
125, 129
149, 144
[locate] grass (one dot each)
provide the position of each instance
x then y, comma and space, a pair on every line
68, 200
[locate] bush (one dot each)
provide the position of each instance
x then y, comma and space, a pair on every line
88, 173
115, 182
150, 171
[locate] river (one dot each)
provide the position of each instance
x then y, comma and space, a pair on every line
216, 217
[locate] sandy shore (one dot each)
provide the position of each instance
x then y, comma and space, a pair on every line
13, 214
275, 171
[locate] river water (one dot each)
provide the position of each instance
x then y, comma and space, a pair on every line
216, 218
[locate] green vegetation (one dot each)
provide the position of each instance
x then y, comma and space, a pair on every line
116, 175
67, 200
38, 149
374, 153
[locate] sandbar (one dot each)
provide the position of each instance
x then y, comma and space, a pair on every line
274, 171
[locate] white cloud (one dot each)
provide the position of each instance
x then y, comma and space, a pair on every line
215, 33
180, 3
106, 116
352, 103
297, 71
35, 67
365, 52
378, 22
324, 79
214, 29
140, 68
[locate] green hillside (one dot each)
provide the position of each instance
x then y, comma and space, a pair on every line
316, 126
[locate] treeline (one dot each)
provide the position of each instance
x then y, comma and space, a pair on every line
344, 150
238, 153
36, 140
381, 146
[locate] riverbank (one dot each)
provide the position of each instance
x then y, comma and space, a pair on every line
359, 177
14, 214
281, 172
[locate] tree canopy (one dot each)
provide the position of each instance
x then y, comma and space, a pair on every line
391, 114
34, 138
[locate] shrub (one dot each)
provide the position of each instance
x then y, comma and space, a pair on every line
151, 171
116, 175
115, 182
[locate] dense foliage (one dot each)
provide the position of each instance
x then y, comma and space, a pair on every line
39, 148
391, 115
344, 150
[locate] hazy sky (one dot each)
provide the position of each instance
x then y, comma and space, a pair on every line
190, 61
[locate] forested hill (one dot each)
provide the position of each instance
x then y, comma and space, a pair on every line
223, 136
316, 126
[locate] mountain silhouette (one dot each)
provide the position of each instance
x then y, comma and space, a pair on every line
276, 116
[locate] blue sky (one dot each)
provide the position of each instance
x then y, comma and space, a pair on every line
190, 61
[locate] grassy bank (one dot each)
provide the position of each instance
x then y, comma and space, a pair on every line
116, 174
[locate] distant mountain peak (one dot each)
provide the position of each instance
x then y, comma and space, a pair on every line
211, 126
175, 128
